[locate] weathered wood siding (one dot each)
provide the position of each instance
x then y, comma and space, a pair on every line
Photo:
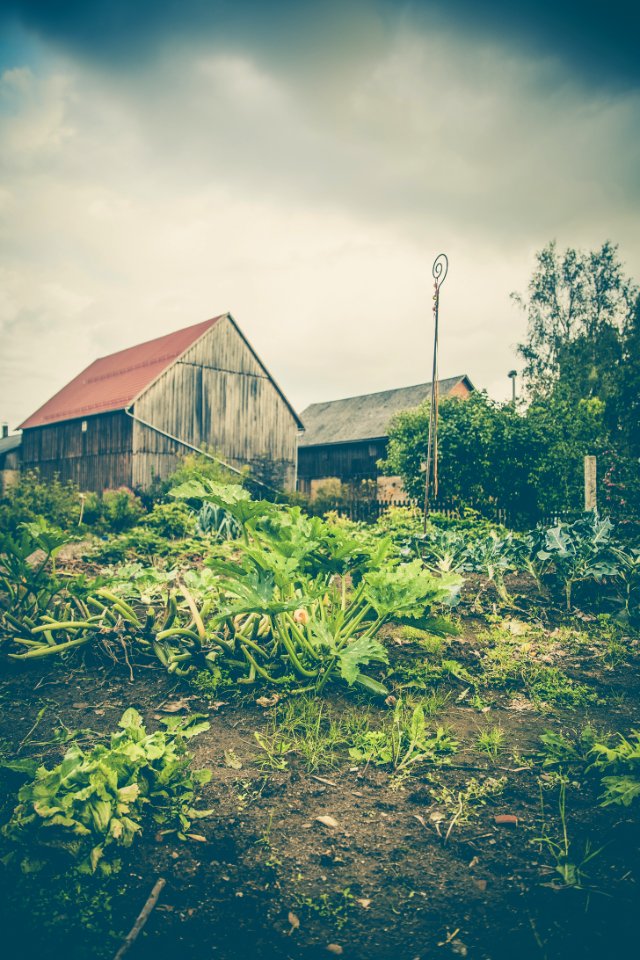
98, 458
350, 462
217, 394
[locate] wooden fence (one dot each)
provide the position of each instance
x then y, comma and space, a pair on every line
369, 510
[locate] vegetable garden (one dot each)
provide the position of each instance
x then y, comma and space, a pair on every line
311, 737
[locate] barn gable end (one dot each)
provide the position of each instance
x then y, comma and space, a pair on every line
217, 393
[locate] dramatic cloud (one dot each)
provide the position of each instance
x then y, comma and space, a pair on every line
163, 163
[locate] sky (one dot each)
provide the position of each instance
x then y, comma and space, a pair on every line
301, 165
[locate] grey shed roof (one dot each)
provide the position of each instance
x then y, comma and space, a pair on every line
7, 444
366, 417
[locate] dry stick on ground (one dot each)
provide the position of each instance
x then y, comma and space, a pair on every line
143, 916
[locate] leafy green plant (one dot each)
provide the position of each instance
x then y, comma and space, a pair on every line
628, 575
491, 740
494, 557
569, 864
403, 742
30, 497
97, 801
174, 520
580, 552
572, 753
620, 764
28, 582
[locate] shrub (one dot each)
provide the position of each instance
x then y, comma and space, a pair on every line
172, 520
121, 509
31, 497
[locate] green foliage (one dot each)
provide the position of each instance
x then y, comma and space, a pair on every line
527, 461
173, 521
491, 740
403, 742
120, 509
198, 465
95, 801
466, 467
577, 301
582, 371
579, 552
569, 753
28, 586
620, 764
280, 609
31, 497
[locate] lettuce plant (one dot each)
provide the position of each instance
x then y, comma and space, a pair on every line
97, 801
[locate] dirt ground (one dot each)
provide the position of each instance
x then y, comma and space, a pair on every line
271, 880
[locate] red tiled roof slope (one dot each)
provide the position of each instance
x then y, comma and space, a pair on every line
114, 382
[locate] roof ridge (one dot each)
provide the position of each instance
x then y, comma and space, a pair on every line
146, 343
376, 393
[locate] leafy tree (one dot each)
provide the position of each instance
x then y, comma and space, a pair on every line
465, 439
628, 411
582, 370
527, 459
577, 307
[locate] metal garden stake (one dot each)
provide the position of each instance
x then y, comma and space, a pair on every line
439, 273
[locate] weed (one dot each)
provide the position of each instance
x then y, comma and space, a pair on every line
479, 703
621, 765
334, 907
462, 803
568, 863
309, 729
491, 740
521, 761
568, 752
275, 749
432, 645
551, 687
404, 742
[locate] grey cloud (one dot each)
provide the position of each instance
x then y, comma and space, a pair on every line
599, 43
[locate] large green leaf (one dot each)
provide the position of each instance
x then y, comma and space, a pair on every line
359, 653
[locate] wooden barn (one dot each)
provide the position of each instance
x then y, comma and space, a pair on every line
344, 439
127, 418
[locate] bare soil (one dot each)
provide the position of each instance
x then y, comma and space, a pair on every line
270, 880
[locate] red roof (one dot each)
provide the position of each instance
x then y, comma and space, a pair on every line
114, 382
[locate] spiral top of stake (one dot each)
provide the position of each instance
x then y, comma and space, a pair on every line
439, 271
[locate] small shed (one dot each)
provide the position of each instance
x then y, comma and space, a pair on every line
127, 418
344, 439
9, 458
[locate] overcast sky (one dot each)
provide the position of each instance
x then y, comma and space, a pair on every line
300, 165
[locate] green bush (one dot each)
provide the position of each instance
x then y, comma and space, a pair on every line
31, 497
172, 520
121, 509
